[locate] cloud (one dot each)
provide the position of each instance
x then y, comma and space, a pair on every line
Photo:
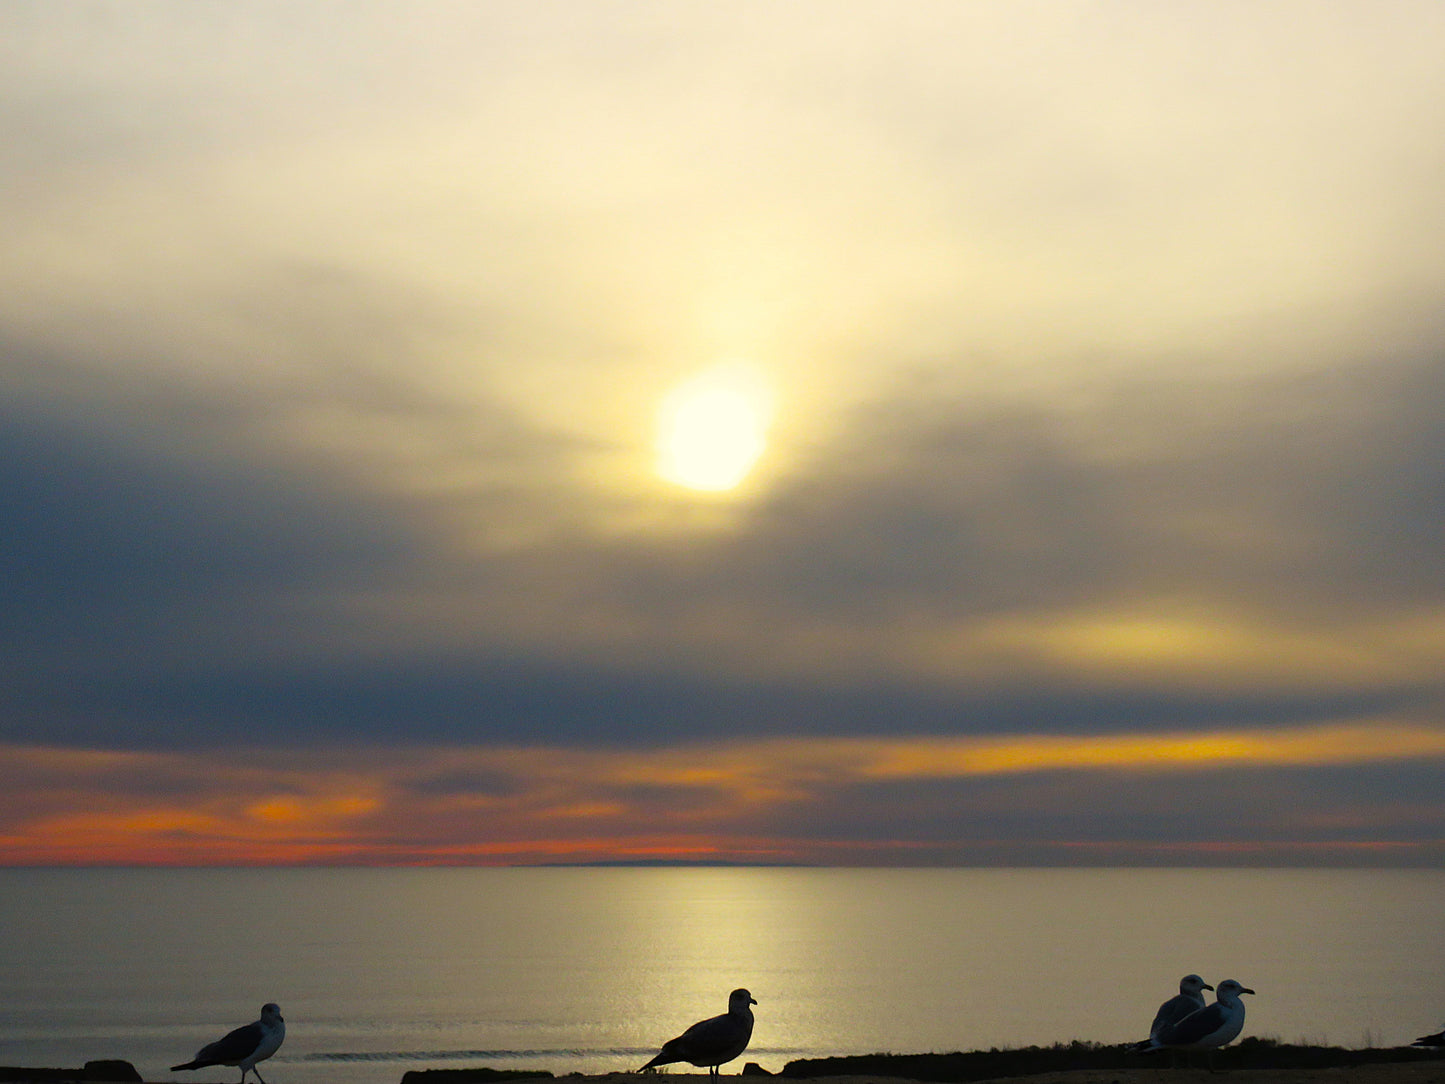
1198, 789
1116, 488
944, 563
123, 554
1102, 337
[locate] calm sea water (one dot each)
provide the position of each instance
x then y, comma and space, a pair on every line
381, 971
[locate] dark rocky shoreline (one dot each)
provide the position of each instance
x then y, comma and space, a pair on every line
1262, 1059
975, 1065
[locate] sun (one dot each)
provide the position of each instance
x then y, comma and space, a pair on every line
712, 429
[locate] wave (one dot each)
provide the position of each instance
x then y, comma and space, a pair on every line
469, 1055
472, 1055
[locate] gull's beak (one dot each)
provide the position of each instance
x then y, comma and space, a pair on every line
1245, 990
1206, 986
752, 1001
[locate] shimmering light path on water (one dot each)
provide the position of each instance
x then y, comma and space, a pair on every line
381, 971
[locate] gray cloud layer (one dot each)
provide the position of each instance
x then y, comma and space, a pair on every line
1104, 337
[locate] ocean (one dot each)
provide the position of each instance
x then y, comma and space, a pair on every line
379, 971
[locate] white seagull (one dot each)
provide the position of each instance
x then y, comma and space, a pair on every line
1189, 999
1208, 1028
713, 1041
245, 1046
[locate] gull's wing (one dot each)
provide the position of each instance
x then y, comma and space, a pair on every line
232, 1047
708, 1042
1172, 1011
1194, 1027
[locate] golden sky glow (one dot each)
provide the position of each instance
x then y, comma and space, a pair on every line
842, 429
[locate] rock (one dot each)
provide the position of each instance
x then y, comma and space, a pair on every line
112, 1069
479, 1075
105, 1071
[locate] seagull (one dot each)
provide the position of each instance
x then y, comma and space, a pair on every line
1208, 1028
245, 1046
1188, 1000
1438, 1039
713, 1041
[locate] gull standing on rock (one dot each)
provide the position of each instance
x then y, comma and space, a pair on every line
713, 1041
1189, 999
245, 1046
1208, 1028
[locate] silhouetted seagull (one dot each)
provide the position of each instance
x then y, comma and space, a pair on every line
1438, 1039
1208, 1028
245, 1046
713, 1041
1189, 999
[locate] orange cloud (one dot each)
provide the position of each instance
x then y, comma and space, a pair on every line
294, 811
1300, 746
515, 805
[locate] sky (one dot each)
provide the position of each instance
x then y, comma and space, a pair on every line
826, 432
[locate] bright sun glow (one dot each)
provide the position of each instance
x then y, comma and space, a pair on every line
713, 428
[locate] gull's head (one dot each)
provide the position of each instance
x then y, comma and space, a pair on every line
1192, 984
739, 999
271, 1011
1229, 989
